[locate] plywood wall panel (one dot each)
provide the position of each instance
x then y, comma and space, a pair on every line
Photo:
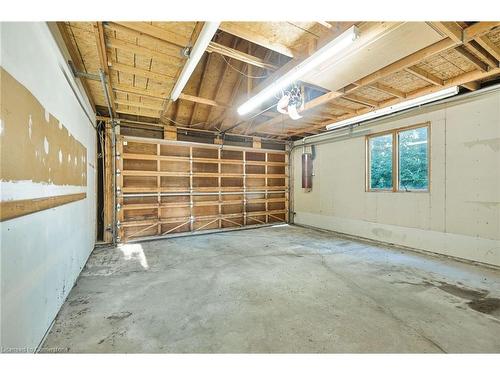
36, 146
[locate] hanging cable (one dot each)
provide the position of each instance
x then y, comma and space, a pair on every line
239, 71
183, 125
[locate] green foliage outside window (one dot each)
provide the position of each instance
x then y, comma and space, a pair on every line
413, 163
381, 162
412, 160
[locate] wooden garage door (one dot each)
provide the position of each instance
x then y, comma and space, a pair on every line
167, 187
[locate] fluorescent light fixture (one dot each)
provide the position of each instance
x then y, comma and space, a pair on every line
206, 35
396, 107
323, 54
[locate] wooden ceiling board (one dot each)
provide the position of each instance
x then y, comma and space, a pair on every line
150, 65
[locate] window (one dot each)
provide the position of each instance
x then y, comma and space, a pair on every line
413, 159
399, 160
381, 162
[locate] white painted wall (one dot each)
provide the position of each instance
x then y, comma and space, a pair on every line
460, 216
42, 253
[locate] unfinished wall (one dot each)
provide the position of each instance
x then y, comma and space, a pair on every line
47, 149
460, 216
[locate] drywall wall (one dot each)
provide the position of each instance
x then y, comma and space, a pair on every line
459, 217
41, 253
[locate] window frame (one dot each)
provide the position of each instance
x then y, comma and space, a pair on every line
395, 159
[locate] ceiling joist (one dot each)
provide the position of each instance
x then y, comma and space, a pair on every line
239, 55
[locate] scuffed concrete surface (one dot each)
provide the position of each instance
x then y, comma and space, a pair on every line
278, 289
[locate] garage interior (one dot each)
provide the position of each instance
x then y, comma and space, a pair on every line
250, 187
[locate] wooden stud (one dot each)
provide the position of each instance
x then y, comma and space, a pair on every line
108, 186
169, 132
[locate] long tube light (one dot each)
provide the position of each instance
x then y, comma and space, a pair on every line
323, 54
206, 35
396, 107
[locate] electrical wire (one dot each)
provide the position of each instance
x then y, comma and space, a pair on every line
184, 125
239, 71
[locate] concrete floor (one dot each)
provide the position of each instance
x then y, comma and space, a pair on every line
277, 289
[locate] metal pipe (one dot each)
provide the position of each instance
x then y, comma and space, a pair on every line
113, 152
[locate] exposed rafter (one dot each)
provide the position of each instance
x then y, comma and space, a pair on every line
425, 75
409, 62
239, 55
235, 29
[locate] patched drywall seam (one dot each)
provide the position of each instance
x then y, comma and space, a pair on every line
34, 144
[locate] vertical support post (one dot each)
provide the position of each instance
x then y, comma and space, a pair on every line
108, 185
287, 182
169, 132
244, 188
119, 186
158, 185
256, 142
219, 171
191, 203
266, 187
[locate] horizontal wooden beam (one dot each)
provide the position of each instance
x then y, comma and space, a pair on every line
482, 53
489, 46
450, 29
478, 29
150, 113
12, 209
361, 100
131, 103
473, 59
341, 108
122, 87
163, 46
325, 24
407, 61
472, 86
157, 32
197, 99
457, 81
158, 77
425, 75
242, 32
388, 90
239, 55
173, 61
